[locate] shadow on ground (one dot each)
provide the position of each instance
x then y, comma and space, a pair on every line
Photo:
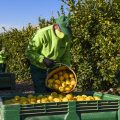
20, 87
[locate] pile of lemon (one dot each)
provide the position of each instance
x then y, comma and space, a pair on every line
63, 81
53, 97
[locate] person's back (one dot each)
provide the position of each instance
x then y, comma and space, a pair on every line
48, 46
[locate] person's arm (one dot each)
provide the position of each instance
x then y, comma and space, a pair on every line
66, 58
33, 47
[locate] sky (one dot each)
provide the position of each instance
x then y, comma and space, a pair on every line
18, 13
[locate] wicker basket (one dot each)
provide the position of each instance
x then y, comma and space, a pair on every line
58, 69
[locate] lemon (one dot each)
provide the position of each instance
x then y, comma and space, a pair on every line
71, 75
69, 96
96, 98
44, 100
50, 98
57, 100
30, 96
55, 76
60, 73
61, 78
66, 75
65, 99
50, 81
80, 99
88, 98
54, 94
61, 89
17, 98
38, 101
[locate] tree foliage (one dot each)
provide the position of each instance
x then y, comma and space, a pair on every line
95, 45
96, 42
15, 42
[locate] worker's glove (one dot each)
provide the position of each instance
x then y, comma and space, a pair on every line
48, 62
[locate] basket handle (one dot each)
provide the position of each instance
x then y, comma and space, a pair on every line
60, 64
57, 65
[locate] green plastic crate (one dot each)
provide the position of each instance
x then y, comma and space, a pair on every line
106, 109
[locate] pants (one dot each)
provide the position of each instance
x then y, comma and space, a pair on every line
2, 67
38, 77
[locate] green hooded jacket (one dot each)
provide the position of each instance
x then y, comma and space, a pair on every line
46, 44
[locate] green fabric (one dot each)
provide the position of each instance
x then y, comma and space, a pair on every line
64, 24
46, 44
2, 57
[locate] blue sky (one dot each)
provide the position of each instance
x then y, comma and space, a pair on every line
18, 13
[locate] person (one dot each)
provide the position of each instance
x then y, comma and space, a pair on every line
49, 45
2, 60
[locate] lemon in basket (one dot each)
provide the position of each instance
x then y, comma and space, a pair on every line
60, 73
72, 82
71, 75
55, 76
62, 79
61, 89
58, 82
65, 75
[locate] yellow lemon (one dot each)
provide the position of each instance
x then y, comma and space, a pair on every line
24, 102
68, 82
55, 76
54, 94
57, 81
44, 100
50, 98
61, 89
84, 96
50, 85
57, 100
87, 98
60, 73
50, 81
67, 89
64, 84
61, 78
80, 98
17, 98
30, 96
56, 86
72, 82
66, 75
38, 101
69, 96
65, 99
71, 75
96, 98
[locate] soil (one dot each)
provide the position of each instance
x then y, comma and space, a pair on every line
27, 87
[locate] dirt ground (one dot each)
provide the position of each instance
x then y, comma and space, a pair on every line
27, 87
